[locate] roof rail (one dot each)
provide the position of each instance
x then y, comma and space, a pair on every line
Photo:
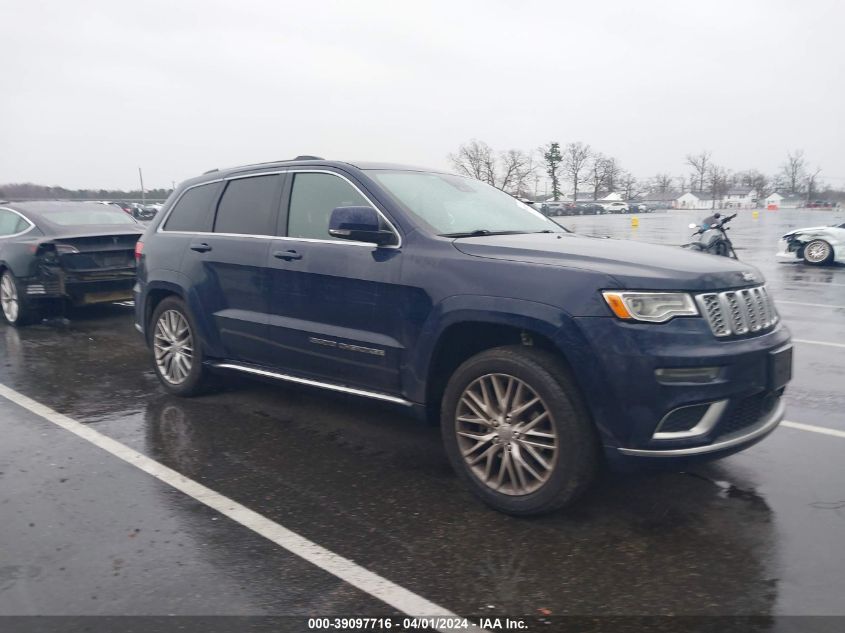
307, 157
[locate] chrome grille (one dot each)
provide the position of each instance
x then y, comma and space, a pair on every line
738, 312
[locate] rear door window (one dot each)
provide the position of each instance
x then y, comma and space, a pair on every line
193, 211
11, 223
248, 206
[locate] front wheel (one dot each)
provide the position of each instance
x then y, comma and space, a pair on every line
177, 350
516, 431
818, 252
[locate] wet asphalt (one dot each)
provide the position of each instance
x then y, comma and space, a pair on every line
84, 533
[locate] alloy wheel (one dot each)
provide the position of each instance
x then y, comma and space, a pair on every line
173, 346
9, 298
506, 434
817, 251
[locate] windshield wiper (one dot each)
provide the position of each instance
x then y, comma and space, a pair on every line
481, 232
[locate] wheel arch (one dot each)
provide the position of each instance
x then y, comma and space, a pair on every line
462, 333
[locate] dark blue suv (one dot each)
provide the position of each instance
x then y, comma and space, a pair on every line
541, 352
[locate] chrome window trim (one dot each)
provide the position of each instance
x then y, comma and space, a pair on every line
292, 170
24, 218
314, 383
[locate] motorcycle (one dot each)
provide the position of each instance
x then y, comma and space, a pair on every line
711, 236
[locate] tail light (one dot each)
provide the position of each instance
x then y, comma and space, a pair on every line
139, 248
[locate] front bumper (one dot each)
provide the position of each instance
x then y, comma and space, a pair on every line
785, 253
720, 448
618, 374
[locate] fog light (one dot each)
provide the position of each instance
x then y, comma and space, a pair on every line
35, 289
697, 375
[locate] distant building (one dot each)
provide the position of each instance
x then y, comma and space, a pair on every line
696, 200
659, 200
740, 198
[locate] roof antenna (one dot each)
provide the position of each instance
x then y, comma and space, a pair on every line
307, 157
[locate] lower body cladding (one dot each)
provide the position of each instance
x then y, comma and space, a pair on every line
82, 287
667, 393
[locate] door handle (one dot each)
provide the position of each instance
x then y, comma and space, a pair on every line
287, 255
202, 247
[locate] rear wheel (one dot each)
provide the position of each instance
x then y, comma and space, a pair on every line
17, 309
516, 431
177, 351
818, 252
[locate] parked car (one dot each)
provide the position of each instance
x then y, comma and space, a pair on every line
615, 207
542, 353
589, 208
63, 251
554, 208
639, 207
817, 245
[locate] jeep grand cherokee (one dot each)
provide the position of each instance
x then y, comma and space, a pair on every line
540, 351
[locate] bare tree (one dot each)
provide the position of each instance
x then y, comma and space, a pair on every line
700, 163
476, 160
812, 184
575, 157
597, 174
629, 184
794, 170
612, 173
516, 169
663, 183
717, 179
758, 181
553, 159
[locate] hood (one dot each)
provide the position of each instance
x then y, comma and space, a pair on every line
810, 229
634, 265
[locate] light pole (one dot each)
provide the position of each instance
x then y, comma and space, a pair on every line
143, 195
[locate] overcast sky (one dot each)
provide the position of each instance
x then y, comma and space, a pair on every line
93, 89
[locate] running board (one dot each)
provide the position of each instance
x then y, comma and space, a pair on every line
314, 383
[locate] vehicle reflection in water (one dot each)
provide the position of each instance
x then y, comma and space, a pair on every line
657, 543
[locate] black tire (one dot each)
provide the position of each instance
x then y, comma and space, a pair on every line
817, 252
576, 459
199, 378
26, 312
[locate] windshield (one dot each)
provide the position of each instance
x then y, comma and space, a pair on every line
454, 205
82, 216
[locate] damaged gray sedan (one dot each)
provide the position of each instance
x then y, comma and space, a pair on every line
56, 252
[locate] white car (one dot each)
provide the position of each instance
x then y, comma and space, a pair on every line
816, 245
615, 207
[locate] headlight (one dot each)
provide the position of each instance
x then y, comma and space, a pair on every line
654, 307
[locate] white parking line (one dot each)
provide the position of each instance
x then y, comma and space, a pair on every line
813, 428
808, 342
388, 592
809, 305
812, 283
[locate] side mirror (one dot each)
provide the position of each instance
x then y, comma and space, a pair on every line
359, 224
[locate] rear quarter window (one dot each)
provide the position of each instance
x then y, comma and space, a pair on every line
193, 211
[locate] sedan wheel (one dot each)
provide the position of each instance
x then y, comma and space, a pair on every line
506, 435
173, 345
817, 252
9, 297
